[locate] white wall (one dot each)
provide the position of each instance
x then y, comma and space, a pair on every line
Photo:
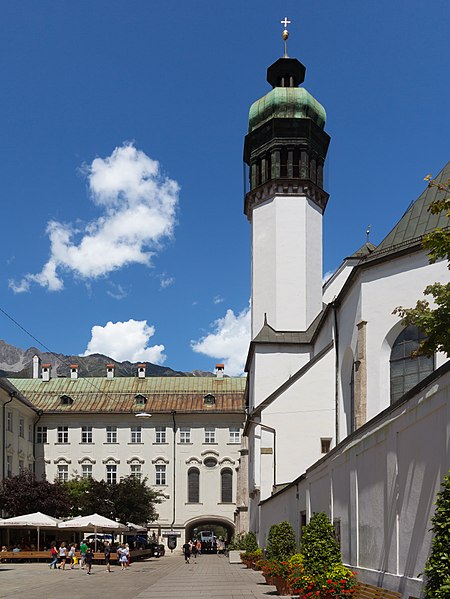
381, 484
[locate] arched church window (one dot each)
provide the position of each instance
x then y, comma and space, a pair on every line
226, 479
407, 371
193, 485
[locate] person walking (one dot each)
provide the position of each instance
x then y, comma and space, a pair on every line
123, 558
71, 556
62, 555
83, 548
194, 550
54, 554
107, 552
88, 557
187, 552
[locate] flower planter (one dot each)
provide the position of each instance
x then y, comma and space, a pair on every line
234, 557
268, 579
282, 585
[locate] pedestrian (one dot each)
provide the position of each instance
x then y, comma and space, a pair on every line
128, 554
62, 555
187, 552
71, 556
199, 547
107, 552
54, 554
123, 558
88, 557
83, 548
194, 550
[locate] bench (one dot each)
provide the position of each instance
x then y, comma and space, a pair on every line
367, 591
38, 555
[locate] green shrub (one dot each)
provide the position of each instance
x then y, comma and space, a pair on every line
250, 542
237, 542
437, 568
281, 543
319, 547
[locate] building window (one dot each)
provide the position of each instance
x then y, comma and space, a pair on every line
160, 474
9, 422
406, 372
111, 434
193, 485
325, 445
235, 434
210, 434
185, 434
136, 471
210, 462
21, 428
41, 434
21, 466
30, 432
86, 470
63, 434
111, 474
86, 434
136, 434
30, 467
226, 482
160, 434
8, 466
63, 473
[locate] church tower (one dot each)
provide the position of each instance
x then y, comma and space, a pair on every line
285, 150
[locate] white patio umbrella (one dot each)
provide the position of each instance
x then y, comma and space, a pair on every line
36, 520
136, 527
94, 523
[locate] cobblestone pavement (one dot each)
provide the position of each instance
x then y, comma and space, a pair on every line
164, 578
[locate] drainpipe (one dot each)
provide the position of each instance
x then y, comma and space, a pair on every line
173, 412
12, 395
39, 414
336, 368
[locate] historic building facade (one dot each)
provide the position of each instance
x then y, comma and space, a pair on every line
183, 434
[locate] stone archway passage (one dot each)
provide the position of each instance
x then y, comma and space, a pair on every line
209, 523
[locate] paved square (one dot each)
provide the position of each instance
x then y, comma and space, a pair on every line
165, 578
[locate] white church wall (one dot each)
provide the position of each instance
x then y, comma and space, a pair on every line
286, 263
392, 283
382, 481
334, 284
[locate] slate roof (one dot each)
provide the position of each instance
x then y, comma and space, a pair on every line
416, 222
118, 395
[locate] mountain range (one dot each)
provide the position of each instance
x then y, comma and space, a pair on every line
18, 363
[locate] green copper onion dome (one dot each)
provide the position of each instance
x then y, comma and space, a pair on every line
286, 102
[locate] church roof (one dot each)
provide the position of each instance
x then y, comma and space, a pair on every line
416, 222
119, 395
363, 251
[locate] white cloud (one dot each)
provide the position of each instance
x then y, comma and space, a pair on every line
327, 275
217, 299
117, 291
125, 341
165, 281
138, 212
228, 342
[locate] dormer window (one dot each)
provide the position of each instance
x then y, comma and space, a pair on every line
209, 399
66, 400
140, 399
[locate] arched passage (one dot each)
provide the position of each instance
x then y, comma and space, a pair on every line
216, 524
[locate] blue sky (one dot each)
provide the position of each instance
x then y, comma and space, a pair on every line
122, 126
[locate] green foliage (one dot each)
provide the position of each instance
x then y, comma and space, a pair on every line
250, 542
281, 543
23, 494
337, 582
130, 500
320, 549
433, 321
237, 542
437, 568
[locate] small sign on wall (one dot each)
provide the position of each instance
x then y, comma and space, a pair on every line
266, 450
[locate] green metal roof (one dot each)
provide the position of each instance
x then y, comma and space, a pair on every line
286, 102
163, 394
416, 222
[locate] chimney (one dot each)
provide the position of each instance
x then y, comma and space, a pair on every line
219, 371
110, 371
141, 371
73, 371
36, 365
46, 371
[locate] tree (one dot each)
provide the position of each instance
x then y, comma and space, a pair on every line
434, 321
319, 546
130, 500
281, 543
437, 568
23, 494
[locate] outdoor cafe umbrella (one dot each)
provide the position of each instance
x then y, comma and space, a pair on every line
36, 520
95, 523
